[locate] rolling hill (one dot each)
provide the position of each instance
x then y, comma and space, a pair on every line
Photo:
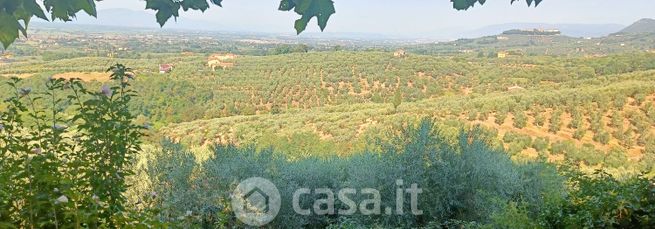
553, 97
645, 25
572, 30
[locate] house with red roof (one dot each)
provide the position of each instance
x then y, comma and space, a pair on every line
165, 68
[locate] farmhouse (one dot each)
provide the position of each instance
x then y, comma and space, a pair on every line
503, 54
510, 53
221, 60
165, 68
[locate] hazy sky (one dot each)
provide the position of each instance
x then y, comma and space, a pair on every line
415, 16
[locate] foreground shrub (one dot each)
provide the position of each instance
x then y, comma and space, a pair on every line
463, 182
67, 171
602, 201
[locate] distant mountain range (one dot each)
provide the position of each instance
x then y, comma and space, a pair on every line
146, 19
645, 25
143, 19
572, 30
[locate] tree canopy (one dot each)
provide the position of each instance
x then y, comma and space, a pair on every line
15, 15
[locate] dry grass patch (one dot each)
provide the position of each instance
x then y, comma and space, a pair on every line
84, 76
20, 76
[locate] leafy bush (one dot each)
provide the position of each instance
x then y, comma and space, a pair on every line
616, 158
602, 137
539, 119
576, 119
520, 119
555, 122
500, 118
540, 144
579, 133
517, 142
587, 154
513, 216
61, 170
602, 201
468, 181
472, 115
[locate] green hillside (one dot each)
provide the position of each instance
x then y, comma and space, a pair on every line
338, 100
642, 26
511, 131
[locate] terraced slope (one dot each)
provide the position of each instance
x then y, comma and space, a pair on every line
329, 102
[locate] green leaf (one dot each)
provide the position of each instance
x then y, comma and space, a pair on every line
32, 7
286, 5
9, 27
23, 28
24, 11
22, 15
301, 24
201, 5
303, 5
466, 4
66, 9
89, 6
529, 2
165, 9
463, 4
217, 2
321, 9
326, 11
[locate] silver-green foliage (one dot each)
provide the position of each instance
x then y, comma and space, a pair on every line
467, 181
